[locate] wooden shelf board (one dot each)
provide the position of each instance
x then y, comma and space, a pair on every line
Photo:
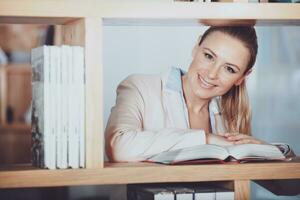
15, 127
36, 20
195, 22
60, 12
125, 173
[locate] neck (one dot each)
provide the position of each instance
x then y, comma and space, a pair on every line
194, 103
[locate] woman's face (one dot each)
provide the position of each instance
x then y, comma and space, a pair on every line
218, 64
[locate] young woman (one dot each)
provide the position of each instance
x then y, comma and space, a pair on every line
206, 105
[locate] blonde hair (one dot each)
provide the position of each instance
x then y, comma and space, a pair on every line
236, 111
235, 107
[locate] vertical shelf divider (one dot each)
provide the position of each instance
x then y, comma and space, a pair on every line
242, 190
87, 32
3, 94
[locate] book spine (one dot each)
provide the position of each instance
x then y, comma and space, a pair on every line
58, 106
182, 192
81, 127
50, 112
57, 102
224, 195
66, 108
60, 124
39, 62
62, 138
73, 141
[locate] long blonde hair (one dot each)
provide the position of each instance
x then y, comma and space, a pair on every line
235, 107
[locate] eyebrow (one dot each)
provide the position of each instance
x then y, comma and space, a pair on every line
217, 56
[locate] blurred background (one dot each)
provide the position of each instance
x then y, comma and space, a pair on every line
131, 48
16, 42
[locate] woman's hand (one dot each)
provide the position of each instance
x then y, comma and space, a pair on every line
242, 139
218, 140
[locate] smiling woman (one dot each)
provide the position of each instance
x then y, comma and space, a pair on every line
206, 105
224, 57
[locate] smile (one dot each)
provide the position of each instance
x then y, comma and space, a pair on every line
205, 84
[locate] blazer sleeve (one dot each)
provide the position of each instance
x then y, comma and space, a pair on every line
125, 138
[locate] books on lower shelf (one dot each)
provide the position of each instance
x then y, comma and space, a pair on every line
58, 107
178, 191
214, 153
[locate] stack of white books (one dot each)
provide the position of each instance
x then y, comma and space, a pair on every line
58, 107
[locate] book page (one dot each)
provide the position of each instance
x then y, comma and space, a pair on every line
244, 151
191, 153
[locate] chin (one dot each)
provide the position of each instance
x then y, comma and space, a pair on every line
205, 95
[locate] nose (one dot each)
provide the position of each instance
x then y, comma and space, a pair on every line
213, 71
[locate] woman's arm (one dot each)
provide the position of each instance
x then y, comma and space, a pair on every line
126, 139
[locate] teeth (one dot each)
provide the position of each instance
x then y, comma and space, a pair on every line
205, 84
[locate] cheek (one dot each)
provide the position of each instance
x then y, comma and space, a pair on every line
227, 83
198, 64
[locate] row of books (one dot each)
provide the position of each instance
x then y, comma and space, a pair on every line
192, 191
58, 107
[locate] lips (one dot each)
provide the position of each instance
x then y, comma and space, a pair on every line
204, 83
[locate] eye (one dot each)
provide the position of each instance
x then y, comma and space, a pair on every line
208, 56
230, 69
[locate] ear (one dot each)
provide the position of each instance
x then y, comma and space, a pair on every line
239, 82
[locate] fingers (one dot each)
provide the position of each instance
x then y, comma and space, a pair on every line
218, 140
242, 139
248, 141
237, 137
227, 134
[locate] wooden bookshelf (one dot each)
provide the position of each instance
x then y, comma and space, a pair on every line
81, 24
3, 97
23, 127
62, 12
125, 173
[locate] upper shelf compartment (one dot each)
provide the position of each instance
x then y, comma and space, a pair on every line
60, 12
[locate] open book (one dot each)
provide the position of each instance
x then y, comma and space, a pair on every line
214, 153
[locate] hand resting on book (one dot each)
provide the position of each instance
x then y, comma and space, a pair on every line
227, 139
217, 140
239, 138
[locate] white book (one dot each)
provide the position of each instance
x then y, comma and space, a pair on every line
67, 93
60, 124
224, 194
58, 105
40, 107
150, 193
74, 95
181, 192
52, 109
63, 148
81, 88
70, 109
78, 107
207, 193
